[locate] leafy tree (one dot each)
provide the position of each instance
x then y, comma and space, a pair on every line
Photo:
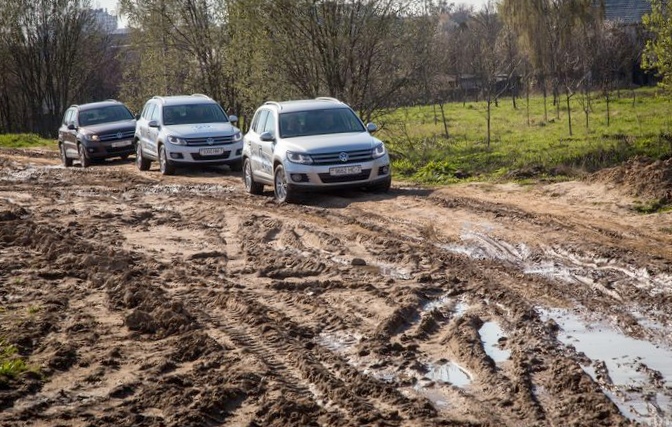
658, 50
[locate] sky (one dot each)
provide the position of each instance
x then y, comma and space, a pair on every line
111, 5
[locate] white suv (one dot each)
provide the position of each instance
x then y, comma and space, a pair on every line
186, 130
312, 144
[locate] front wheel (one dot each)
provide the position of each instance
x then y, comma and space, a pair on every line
166, 167
237, 166
382, 187
248, 179
67, 162
83, 159
141, 162
283, 192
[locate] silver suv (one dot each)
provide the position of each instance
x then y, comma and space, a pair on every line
186, 130
312, 144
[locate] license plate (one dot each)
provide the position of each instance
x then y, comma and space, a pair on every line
345, 170
121, 144
211, 151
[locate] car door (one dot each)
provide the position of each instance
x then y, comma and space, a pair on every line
68, 132
252, 141
266, 148
153, 131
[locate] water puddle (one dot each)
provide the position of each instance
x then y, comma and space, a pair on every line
630, 362
491, 333
458, 308
449, 373
560, 264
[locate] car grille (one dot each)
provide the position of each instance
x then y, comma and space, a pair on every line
223, 156
215, 140
357, 156
330, 179
125, 134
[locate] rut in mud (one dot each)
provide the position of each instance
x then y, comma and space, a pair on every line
149, 301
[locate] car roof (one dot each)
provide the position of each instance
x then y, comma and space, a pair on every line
196, 98
321, 103
92, 105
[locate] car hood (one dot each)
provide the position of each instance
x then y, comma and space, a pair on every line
201, 130
330, 143
110, 127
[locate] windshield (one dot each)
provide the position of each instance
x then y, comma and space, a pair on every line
113, 113
319, 122
193, 113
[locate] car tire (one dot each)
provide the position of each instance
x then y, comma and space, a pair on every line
382, 187
140, 161
251, 186
237, 166
283, 192
83, 158
165, 165
67, 162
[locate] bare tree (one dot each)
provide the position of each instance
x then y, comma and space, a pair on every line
54, 49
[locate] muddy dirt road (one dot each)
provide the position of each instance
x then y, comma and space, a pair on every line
181, 301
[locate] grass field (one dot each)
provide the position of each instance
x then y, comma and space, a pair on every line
25, 140
523, 145
639, 125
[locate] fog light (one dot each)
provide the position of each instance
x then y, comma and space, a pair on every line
91, 150
297, 177
384, 170
239, 152
176, 156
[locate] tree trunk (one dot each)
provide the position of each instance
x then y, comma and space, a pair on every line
445, 121
569, 113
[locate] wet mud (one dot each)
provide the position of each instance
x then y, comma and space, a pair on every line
143, 300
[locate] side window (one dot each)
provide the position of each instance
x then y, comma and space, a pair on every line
147, 112
156, 113
270, 124
259, 126
67, 117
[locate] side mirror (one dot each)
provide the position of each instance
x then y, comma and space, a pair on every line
371, 127
72, 126
153, 124
266, 136
233, 118
137, 116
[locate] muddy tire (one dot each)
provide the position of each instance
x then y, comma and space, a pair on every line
83, 158
67, 162
165, 165
140, 161
237, 166
283, 192
382, 187
251, 186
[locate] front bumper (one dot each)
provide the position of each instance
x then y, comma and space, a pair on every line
311, 177
210, 155
105, 150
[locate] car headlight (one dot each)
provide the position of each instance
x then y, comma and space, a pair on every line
177, 141
237, 136
304, 159
379, 151
92, 137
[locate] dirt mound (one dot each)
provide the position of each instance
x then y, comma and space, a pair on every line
641, 177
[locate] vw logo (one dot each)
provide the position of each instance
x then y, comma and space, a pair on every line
119, 135
343, 157
210, 141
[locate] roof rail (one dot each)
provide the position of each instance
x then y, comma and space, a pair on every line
327, 98
111, 100
277, 104
158, 97
202, 95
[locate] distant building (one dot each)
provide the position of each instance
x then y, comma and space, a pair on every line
628, 12
106, 20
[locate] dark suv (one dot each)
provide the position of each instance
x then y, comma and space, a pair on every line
96, 131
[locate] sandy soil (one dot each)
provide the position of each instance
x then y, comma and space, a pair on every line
181, 301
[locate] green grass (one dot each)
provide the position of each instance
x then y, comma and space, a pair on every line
11, 365
640, 124
25, 140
